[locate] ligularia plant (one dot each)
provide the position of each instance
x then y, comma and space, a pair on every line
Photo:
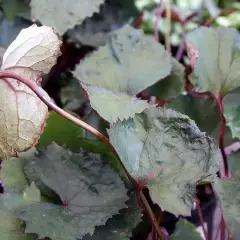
22, 113
66, 185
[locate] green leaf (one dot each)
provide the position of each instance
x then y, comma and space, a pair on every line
165, 151
172, 85
11, 228
91, 192
62, 131
228, 193
12, 8
12, 173
120, 226
203, 111
185, 230
65, 15
112, 76
232, 112
72, 95
217, 66
97, 122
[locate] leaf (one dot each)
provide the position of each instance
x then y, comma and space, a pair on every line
10, 226
172, 85
72, 96
113, 15
12, 8
65, 133
185, 230
12, 173
203, 111
22, 113
227, 191
91, 192
231, 112
134, 62
62, 131
120, 226
165, 151
97, 122
65, 15
217, 67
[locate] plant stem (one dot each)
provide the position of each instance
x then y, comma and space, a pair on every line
43, 96
223, 232
168, 26
221, 137
151, 216
180, 50
159, 14
201, 218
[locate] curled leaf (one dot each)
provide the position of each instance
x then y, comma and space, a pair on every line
22, 113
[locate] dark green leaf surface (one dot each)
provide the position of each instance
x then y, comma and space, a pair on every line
12, 8
112, 76
89, 189
10, 227
217, 66
203, 111
12, 173
185, 231
165, 150
62, 131
171, 86
120, 226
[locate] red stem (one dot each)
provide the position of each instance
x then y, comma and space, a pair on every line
201, 218
221, 136
223, 232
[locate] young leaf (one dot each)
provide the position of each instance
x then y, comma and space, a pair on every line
120, 226
217, 67
23, 114
172, 85
64, 15
91, 192
232, 112
12, 173
227, 191
112, 76
62, 131
185, 230
165, 151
